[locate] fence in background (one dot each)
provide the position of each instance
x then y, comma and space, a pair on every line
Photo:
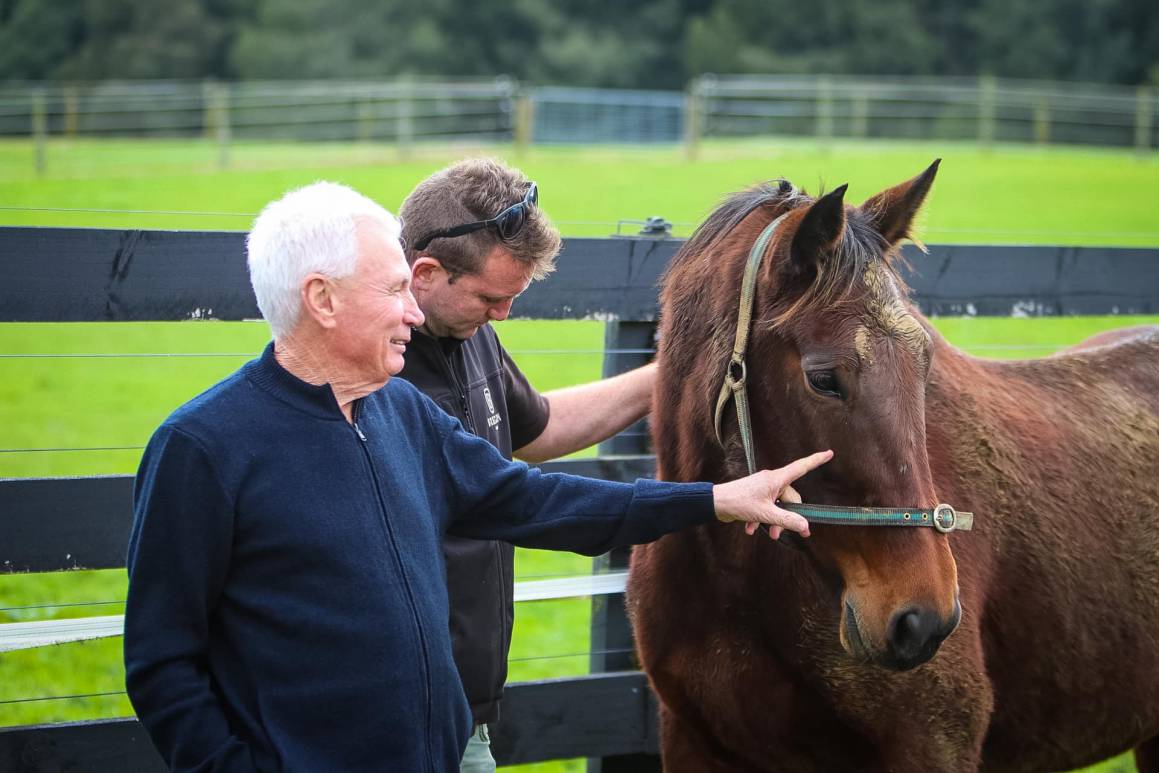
54, 524
584, 116
404, 112
985, 110
399, 112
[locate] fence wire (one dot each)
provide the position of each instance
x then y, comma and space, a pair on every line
122, 693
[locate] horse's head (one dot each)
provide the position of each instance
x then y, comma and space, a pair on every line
839, 359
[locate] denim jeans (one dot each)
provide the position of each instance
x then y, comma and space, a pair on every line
477, 758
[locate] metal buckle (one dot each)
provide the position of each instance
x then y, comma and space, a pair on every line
944, 518
738, 381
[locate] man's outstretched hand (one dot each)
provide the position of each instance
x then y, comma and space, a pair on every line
754, 499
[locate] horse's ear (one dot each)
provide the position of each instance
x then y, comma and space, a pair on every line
892, 211
819, 232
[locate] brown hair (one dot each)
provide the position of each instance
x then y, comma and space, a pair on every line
471, 190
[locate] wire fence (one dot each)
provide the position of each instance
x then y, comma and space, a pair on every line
54, 445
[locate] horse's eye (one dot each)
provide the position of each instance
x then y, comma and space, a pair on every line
824, 382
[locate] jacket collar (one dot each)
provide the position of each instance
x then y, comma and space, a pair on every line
269, 375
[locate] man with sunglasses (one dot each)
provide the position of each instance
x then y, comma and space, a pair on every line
475, 239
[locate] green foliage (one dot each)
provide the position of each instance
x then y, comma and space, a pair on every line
109, 39
650, 44
36, 37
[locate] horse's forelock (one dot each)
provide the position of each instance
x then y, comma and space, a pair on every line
841, 275
839, 280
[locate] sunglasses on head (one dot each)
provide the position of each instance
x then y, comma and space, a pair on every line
507, 223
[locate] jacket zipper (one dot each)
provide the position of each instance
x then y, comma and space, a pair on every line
457, 384
405, 581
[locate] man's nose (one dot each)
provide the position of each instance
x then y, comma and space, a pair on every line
415, 316
499, 311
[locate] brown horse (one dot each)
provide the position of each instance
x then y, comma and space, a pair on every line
832, 658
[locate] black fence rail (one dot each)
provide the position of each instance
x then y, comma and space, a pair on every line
98, 275
56, 524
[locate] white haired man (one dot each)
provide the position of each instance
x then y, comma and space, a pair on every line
287, 603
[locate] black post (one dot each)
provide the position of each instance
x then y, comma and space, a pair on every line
627, 345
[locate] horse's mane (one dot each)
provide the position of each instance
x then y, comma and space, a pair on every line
725, 218
861, 246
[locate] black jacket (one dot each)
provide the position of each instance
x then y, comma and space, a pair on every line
478, 383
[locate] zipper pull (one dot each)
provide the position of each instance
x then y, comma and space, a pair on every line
354, 411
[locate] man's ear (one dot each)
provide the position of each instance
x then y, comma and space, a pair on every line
424, 272
318, 299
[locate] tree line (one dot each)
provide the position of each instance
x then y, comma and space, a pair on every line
607, 43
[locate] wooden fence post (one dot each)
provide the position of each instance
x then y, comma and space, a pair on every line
693, 105
208, 116
215, 124
364, 118
611, 638
404, 119
861, 116
825, 111
524, 122
1042, 120
987, 90
1143, 119
223, 132
71, 112
40, 129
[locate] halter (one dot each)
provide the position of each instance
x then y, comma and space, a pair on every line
942, 517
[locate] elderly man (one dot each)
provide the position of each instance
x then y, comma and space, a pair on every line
476, 238
287, 603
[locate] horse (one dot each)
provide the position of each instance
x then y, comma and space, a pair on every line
1028, 644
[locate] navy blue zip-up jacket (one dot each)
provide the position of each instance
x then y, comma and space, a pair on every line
287, 606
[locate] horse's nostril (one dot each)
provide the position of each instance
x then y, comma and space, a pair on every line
906, 631
912, 637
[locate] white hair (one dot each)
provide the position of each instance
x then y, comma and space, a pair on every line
308, 230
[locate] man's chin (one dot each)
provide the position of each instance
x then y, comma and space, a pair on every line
466, 332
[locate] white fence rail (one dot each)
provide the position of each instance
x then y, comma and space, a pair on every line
44, 633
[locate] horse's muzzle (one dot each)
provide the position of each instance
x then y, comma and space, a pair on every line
915, 634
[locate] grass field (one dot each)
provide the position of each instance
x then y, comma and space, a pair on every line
81, 401
1011, 194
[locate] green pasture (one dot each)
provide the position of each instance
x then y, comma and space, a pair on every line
1009, 194
60, 394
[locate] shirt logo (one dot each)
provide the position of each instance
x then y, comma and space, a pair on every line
494, 419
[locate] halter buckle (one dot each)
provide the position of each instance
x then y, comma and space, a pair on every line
734, 381
945, 519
